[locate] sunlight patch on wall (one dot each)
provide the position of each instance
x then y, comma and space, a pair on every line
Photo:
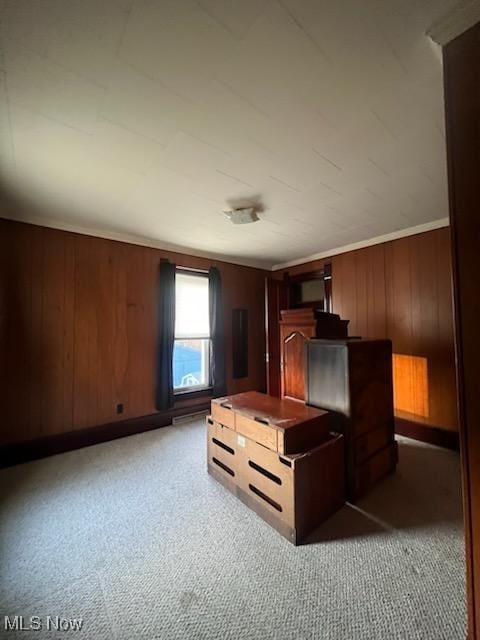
410, 384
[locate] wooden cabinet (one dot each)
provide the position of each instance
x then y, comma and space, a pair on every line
292, 364
352, 379
296, 327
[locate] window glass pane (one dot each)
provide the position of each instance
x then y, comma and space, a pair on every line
191, 307
190, 363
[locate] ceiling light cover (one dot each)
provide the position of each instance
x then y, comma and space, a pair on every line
241, 216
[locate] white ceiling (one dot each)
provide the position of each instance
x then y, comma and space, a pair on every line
145, 118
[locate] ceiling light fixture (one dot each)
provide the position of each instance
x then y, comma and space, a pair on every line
241, 216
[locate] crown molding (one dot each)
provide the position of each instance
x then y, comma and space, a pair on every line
60, 225
463, 16
403, 233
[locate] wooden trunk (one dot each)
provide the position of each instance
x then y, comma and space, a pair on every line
293, 493
280, 425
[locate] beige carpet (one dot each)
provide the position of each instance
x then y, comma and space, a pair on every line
136, 539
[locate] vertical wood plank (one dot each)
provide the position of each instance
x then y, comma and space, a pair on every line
55, 365
275, 302
446, 378
37, 378
344, 295
16, 256
359, 265
85, 349
376, 301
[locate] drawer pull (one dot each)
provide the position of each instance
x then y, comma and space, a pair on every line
261, 420
264, 472
261, 495
226, 405
224, 467
223, 446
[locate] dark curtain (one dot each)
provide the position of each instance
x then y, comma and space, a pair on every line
217, 352
164, 395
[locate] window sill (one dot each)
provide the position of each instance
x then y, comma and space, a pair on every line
183, 394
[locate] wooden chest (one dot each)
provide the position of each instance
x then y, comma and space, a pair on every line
293, 493
284, 426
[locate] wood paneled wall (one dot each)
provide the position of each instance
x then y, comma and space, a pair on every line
78, 329
358, 291
420, 322
402, 290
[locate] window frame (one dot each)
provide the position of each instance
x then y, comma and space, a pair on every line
200, 389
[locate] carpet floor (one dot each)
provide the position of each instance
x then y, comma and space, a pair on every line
133, 537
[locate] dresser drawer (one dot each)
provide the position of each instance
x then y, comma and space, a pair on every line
257, 430
222, 449
224, 414
369, 443
375, 468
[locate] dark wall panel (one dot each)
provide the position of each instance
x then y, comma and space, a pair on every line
462, 93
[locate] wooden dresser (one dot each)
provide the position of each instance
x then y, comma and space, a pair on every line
296, 327
352, 379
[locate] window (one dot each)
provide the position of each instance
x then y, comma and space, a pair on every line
312, 289
191, 352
